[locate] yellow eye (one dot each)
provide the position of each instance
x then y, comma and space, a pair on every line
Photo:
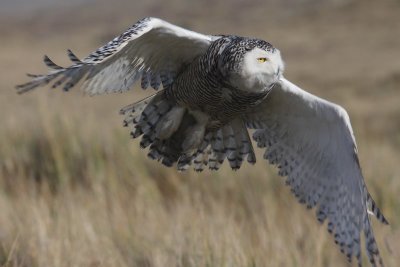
262, 59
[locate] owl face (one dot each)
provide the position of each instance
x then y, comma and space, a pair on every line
259, 70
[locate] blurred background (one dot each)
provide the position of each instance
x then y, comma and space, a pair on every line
76, 191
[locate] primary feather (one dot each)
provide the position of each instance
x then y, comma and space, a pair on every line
137, 52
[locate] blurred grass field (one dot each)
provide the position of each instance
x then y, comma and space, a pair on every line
76, 191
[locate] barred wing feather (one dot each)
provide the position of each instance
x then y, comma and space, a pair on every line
312, 143
152, 50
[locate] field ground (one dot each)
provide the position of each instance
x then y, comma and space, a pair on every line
76, 191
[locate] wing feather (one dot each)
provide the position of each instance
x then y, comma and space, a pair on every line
152, 48
312, 143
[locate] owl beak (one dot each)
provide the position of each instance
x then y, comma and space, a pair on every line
271, 86
278, 73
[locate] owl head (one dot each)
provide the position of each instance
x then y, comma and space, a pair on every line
253, 65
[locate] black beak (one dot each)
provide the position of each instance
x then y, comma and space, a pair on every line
278, 73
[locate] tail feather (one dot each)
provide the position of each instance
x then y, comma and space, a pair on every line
154, 153
200, 161
213, 163
239, 145
230, 142
145, 80
133, 111
147, 114
147, 139
218, 147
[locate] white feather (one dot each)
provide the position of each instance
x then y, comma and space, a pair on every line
312, 142
151, 46
255, 75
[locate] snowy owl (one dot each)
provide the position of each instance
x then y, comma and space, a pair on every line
215, 88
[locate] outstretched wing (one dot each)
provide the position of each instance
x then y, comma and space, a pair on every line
152, 50
312, 143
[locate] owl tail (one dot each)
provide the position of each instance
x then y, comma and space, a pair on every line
176, 135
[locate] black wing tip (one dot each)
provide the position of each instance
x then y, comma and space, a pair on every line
30, 75
374, 210
67, 73
23, 88
384, 221
73, 57
50, 63
19, 90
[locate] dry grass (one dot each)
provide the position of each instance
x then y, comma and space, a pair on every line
75, 191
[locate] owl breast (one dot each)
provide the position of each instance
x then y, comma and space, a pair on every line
204, 86
220, 102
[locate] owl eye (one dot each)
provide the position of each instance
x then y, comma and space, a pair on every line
262, 59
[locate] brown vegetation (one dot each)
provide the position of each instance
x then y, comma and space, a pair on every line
76, 191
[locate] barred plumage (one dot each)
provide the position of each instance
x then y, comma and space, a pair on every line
213, 89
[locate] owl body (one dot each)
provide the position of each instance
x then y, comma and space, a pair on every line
206, 86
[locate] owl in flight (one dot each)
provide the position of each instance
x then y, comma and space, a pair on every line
215, 88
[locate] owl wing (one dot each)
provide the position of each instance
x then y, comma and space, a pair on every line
311, 142
152, 50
